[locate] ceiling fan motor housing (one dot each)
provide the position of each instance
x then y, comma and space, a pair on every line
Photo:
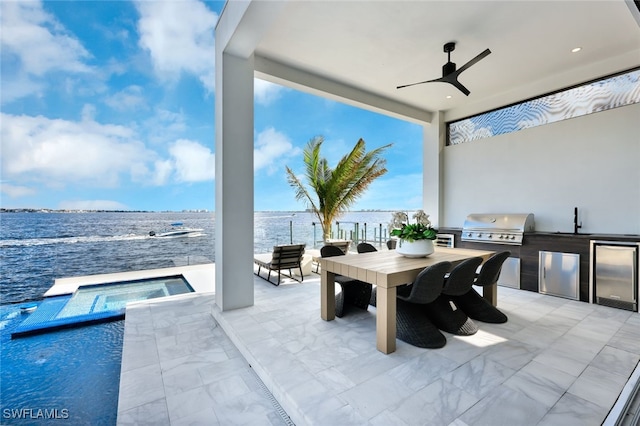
448, 68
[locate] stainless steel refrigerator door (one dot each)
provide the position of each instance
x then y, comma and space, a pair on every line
559, 274
615, 272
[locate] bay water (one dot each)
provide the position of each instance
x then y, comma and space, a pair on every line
72, 375
36, 248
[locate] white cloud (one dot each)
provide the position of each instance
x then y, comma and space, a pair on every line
34, 44
164, 126
59, 152
131, 98
193, 162
265, 92
16, 191
92, 205
39, 41
271, 148
16, 87
179, 36
88, 112
163, 171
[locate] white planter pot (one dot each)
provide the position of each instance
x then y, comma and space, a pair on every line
418, 248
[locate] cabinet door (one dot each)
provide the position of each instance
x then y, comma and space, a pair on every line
559, 274
510, 273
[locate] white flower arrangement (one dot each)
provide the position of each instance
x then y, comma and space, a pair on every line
421, 230
398, 220
422, 218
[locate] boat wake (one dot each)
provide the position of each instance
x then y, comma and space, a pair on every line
70, 240
190, 235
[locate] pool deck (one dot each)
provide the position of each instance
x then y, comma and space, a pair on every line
198, 276
48, 315
555, 362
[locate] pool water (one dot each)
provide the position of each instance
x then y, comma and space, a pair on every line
114, 297
69, 376
97, 303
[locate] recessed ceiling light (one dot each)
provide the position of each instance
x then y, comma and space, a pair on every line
449, 96
576, 49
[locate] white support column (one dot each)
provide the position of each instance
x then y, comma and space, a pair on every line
433, 141
234, 181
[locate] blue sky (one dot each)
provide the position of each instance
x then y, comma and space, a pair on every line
110, 105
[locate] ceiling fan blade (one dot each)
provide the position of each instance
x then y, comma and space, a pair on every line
420, 82
473, 61
450, 74
459, 86
452, 79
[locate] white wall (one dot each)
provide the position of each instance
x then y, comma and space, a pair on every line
590, 162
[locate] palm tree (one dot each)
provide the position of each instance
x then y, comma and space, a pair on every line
332, 191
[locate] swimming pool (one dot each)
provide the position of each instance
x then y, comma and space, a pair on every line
115, 296
60, 372
70, 376
97, 303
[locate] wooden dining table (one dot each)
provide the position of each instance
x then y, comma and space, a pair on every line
387, 270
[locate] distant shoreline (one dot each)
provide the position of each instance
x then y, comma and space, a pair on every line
5, 210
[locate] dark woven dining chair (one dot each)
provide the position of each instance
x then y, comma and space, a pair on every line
474, 305
443, 311
365, 248
412, 324
353, 292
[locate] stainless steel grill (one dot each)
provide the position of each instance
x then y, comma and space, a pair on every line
505, 228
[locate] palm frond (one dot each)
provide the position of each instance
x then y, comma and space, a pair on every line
301, 192
336, 189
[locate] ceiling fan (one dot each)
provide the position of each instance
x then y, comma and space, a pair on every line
449, 72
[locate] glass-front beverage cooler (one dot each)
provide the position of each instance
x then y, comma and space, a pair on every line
614, 274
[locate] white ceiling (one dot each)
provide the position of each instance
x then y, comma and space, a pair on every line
375, 46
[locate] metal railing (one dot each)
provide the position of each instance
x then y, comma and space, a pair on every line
376, 234
356, 232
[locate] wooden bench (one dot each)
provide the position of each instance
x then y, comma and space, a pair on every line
285, 257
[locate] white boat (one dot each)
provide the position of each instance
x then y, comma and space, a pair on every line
178, 230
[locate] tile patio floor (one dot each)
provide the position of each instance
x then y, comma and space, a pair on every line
555, 362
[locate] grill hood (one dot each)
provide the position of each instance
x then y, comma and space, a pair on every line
499, 228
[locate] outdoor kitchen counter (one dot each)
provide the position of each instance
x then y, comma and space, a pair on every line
565, 243
535, 242
608, 237
589, 236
